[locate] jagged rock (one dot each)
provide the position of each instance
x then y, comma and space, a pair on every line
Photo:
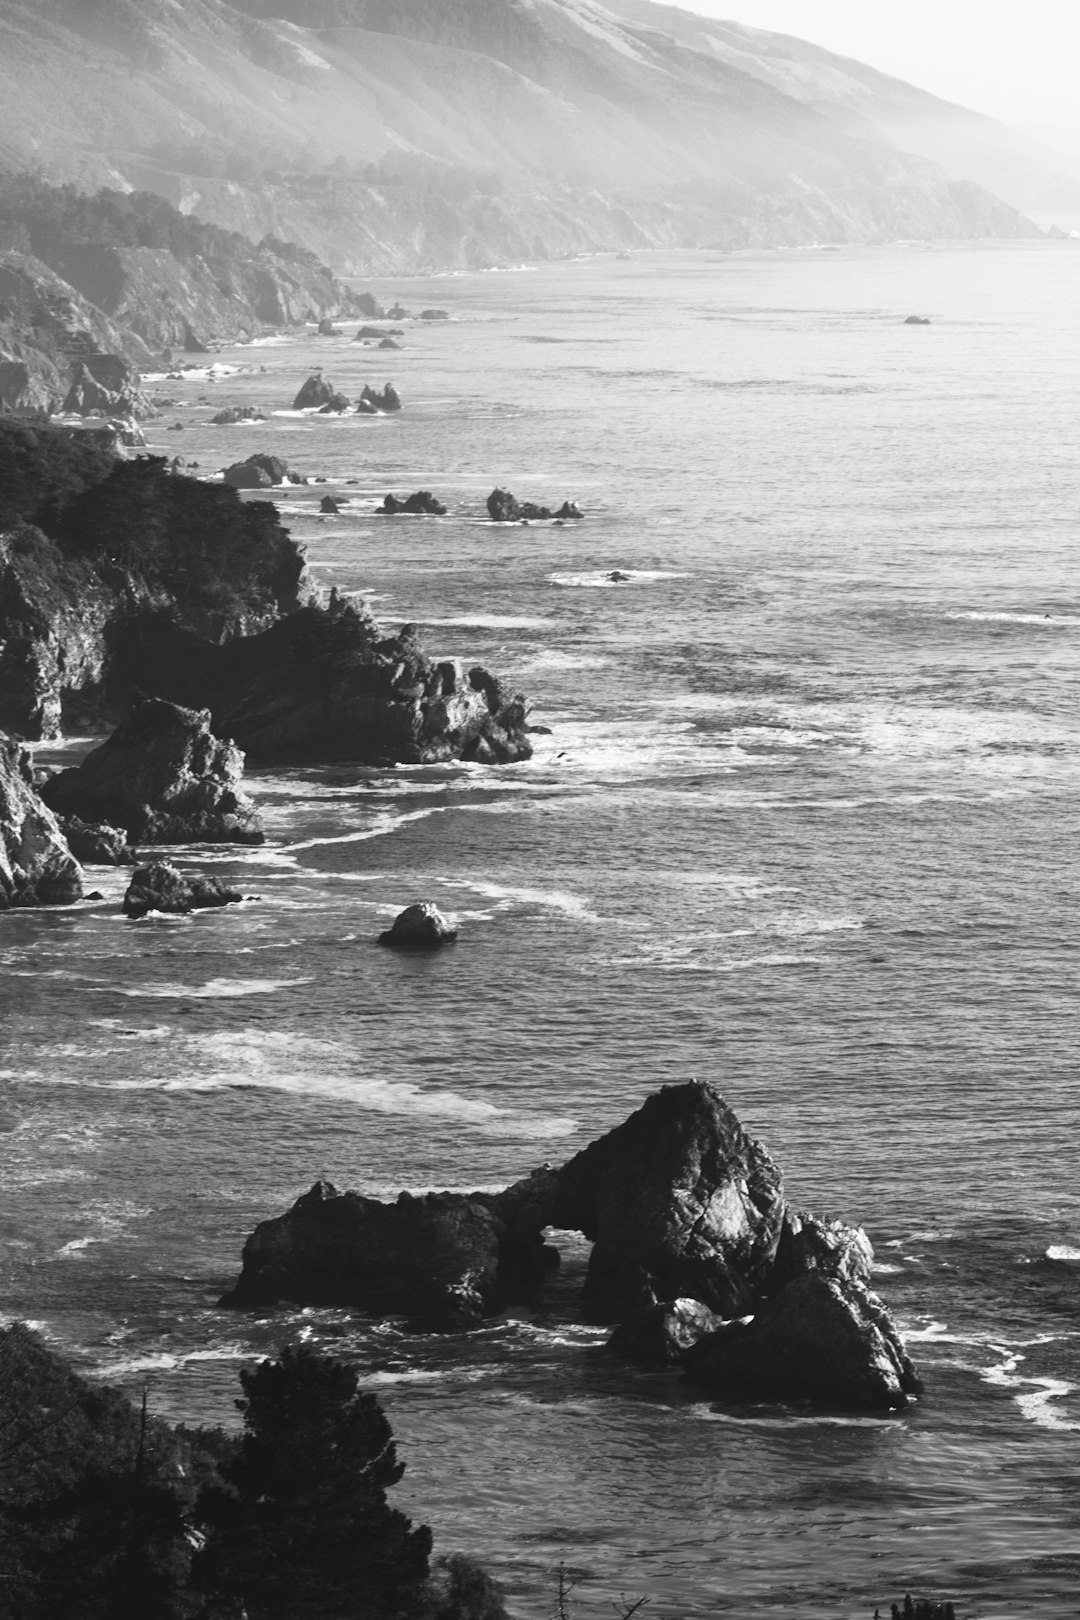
96, 843
325, 683
370, 403
107, 385
165, 778
327, 328
419, 928
917, 320
434, 315
679, 1203
238, 413
315, 392
335, 405
329, 505
818, 1339
503, 508
435, 1257
689, 1228
661, 1334
259, 471
36, 866
160, 887
422, 501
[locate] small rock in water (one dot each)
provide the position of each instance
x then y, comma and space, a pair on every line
617, 577
418, 928
328, 504
917, 320
160, 887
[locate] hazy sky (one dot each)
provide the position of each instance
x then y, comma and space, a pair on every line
1017, 59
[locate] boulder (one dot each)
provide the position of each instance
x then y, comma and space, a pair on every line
660, 1335
370, 403
96, 843
819, 1339
36, 866
316, 391
389, 343
434, 1257
244, 475
164, 778
329, 505
238, 413
160, 887
503, 508
917, 320
327, 328
260, 471
368, 334
421, 502
419, 928
434, 315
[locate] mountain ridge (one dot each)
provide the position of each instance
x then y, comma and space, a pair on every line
390, 135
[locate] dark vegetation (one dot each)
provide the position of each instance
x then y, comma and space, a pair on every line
108, 1513
72, 505
50, 219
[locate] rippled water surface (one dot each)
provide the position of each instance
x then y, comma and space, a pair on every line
804, 826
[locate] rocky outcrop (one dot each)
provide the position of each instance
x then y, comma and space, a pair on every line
372, 403
164, 778
325, 683
106, 385
503, 508
96, 843
160, 887
315, 392
233, 414
434, 315
422, 501
36, 866
419, 928
336, 405
696, 1256
260, 471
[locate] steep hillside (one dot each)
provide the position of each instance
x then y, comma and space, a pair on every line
392, 134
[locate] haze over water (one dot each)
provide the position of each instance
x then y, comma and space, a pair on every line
803, 827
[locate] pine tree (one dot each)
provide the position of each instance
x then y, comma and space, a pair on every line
301, 1529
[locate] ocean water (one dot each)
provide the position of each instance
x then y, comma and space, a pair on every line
804, 827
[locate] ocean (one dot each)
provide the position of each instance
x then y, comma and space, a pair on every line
803, 827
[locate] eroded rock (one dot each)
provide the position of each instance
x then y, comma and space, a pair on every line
160, 887
503, 508
419, 928
96, 843
422, 501
36, 866
164, 778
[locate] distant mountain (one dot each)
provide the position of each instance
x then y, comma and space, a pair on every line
401, 134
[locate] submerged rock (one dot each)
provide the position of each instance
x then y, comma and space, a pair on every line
160, 887
422, 501
36, 866
419, 928
238, 413
503, 508
164, 778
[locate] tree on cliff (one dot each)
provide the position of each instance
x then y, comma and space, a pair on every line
300, 1529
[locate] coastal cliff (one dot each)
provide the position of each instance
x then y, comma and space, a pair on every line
121, 580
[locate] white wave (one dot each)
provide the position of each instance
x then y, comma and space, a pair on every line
492, 621
213, 990
1033, 1396
166, 1361
598, 579
1063, 1251
1003, 616
571, 905
380, 828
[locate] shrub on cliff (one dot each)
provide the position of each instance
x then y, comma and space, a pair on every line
301, 1526
42, 468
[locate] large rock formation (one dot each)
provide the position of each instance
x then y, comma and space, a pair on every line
325, 683
696, 1256
503, 508
106, 385
160, 887
164, 778
36, 866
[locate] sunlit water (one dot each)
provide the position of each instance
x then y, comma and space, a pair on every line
804, 827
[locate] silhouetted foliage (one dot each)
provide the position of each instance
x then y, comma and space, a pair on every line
301, 1527
42, 468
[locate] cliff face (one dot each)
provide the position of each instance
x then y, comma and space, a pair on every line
393, 135
36, 866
